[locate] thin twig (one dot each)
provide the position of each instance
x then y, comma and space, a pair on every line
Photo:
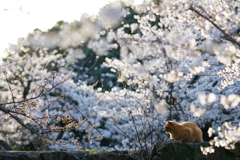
131, 116
75, 107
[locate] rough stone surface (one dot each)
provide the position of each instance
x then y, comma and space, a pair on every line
170, 150
236, 151
6, 153
15, 155
4, 146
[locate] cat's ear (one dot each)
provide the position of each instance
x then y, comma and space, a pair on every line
169, 122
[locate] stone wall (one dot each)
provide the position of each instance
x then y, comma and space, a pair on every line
6, 153
15, 155
170, 150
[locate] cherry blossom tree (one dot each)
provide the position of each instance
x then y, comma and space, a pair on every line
177, 60
176, 56
63, 111
23, 108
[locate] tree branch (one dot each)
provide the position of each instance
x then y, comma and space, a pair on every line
228, 37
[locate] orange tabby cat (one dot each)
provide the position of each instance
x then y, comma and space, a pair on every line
183, 132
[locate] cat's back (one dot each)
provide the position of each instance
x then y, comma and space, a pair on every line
189, 124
